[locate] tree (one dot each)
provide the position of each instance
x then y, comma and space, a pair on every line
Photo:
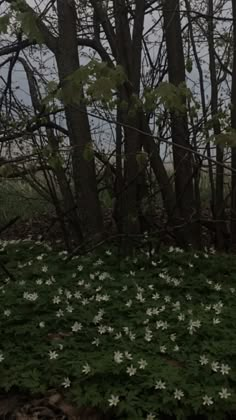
157, 75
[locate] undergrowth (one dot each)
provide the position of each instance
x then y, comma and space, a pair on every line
143, 336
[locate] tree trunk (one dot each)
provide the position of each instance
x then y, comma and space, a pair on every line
183, 162
77, 121
233, 125
219, 213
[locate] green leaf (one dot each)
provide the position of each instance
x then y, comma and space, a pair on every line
30, 27
4, 22
88, 153
189, 65
226, 139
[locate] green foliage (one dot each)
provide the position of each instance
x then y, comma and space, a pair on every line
88, 152
17, 198
172, 97
99, 81
189, 65
150, 326
4, 22
227, 138
29, 26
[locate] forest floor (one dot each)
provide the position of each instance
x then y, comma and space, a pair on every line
148, 337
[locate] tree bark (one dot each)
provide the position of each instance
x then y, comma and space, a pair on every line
219, 213
77, 121
183, 162
233, 125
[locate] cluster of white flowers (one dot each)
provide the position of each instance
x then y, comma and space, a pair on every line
157, 328
30, 296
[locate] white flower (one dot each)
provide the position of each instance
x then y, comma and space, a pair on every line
66, 383
132, 336
150, 417
224, 394
77, 326
102, 329
77, 295
215, 366
44, 268
142, 363
131, 370
148, 334
176, 348
86, 369
128, 355
203, 360
193, 325
7, 312
216, 321
140, 297
40, 257
178, 394
56, 300
1, 357
42, 324
48, 282
176, 307
160, 385
224, 369
85, 302
80, 268
217, 286
69, 308
118, 357
59, 313
96, 342
163, 349
113, 400
39, 282
155, 296
53, 354
207, 400
173, 337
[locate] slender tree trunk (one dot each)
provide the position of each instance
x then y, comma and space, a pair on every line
233, 124
67, 197
219, 213
204, 107
183, 162
77, 121
131, 139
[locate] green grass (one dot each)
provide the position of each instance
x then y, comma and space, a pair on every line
147, 323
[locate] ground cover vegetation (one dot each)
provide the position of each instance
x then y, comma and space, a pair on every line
137, 338
117, 139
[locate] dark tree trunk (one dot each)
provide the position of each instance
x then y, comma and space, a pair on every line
77, 121
233, 124
218, 209
183, 161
